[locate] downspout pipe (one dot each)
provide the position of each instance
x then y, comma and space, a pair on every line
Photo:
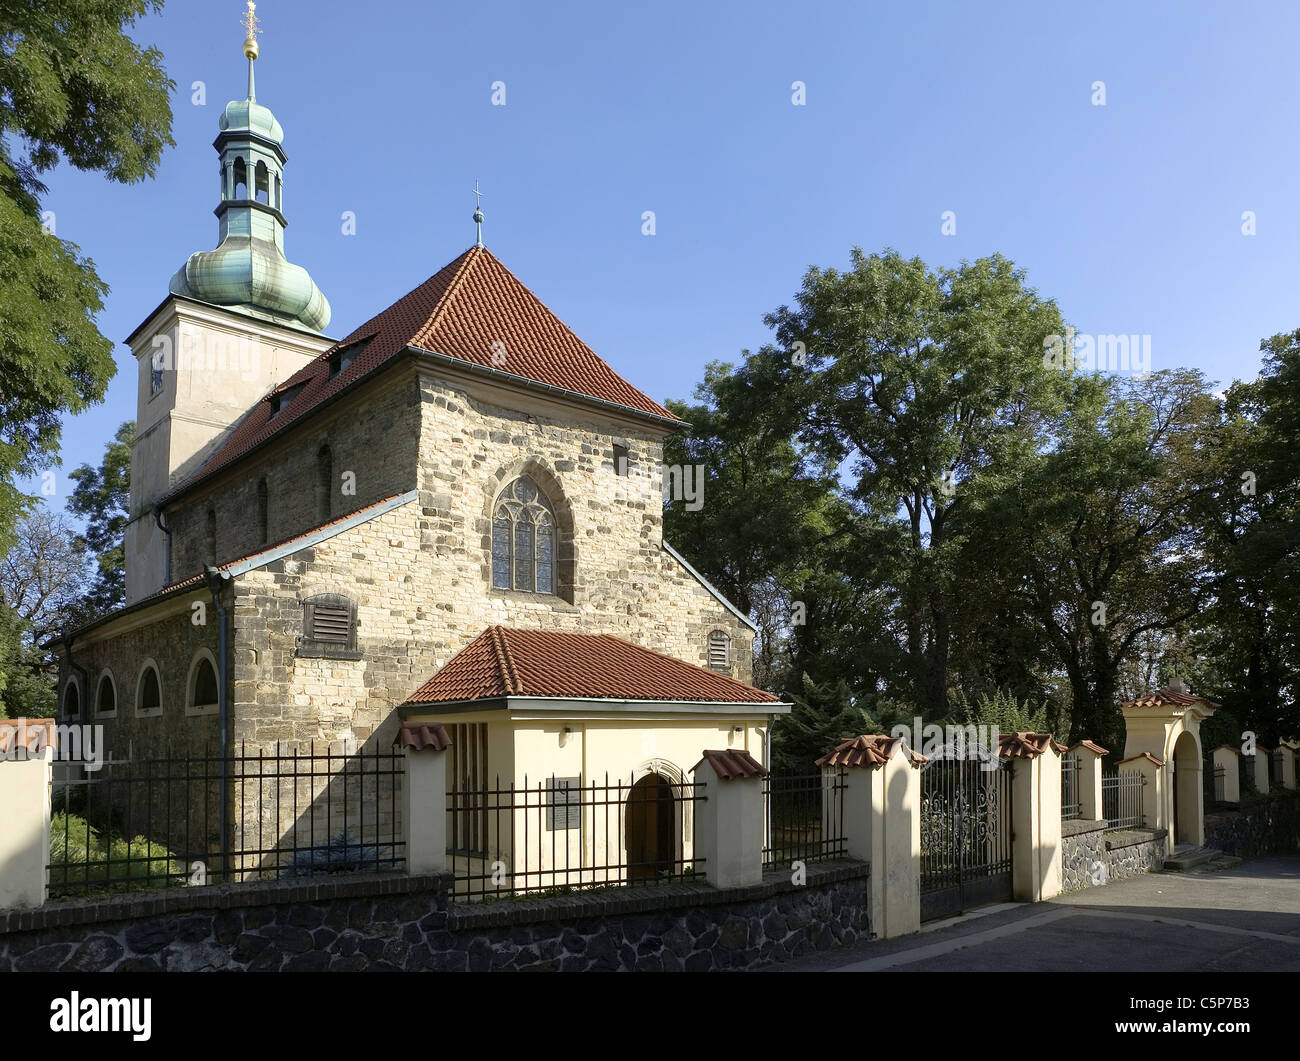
167, 539
217, 581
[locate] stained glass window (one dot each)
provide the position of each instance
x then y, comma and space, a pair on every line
523, 540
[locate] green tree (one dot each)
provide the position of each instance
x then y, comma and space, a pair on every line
1106, 524
1249, 636
765, 508
822, 716
102, 497
40, 578
924, 387
74, 86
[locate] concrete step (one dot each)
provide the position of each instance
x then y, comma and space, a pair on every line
1186, 858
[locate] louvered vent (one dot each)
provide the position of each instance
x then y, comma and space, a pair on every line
329, 623
719, 650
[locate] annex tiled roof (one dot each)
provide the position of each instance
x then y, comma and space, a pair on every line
1170, 696
503, 662
197, 579
1027, 745
473, 309
731, 763
1092, 746
421, 735
870, 749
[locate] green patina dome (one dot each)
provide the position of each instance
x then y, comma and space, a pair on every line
253, 274
247, 115
248, 271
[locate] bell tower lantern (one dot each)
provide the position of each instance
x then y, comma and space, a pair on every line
239, 320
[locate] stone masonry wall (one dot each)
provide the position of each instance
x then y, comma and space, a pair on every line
1268, 826
399, 923
1137, 851
375, 440
1083, 854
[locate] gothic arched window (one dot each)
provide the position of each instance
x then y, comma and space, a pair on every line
523, 539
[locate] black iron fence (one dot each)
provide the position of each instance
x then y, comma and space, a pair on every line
1121, 800
290, 810
1070, 800
558, 834
803, 818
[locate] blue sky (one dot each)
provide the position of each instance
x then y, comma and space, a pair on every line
1128, 214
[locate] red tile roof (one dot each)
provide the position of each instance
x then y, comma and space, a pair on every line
463, 311
1027, 745
504, 662
731, 763
870, 749
1171, 697
1092, 746
1143, 755
421, 735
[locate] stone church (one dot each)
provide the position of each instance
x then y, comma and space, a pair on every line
452, 514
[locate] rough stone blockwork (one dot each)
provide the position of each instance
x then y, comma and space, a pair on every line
1270, 826
1136, 851
1084, 861
408, 924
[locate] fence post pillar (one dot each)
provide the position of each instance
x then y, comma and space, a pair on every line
1286, 775
26, 766
729, 821
424, 796
1088, 778
1229, 758
1035, 814
1261, 769
882, 825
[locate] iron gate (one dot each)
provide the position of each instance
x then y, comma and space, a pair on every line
965, 836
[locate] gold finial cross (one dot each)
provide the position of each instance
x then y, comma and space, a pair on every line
251, 21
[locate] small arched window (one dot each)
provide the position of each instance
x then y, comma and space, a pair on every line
324, 483
148, 691
72, 701
106, 696
720, 650
263, 513
262, 186
523, 539
202, 692
241, 179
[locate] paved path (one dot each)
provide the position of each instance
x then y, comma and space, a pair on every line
1239, 919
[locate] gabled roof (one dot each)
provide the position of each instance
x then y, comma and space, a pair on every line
868, 750
1027, 745
732, 763
504, 662
1170, 696
474, 310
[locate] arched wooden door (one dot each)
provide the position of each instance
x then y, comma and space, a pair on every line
650, 809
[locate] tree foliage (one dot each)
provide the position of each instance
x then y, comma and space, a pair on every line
102, 498
73, 86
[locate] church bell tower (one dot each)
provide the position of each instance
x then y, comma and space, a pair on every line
238, 320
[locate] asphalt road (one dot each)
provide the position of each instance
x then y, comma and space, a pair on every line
1246, 918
